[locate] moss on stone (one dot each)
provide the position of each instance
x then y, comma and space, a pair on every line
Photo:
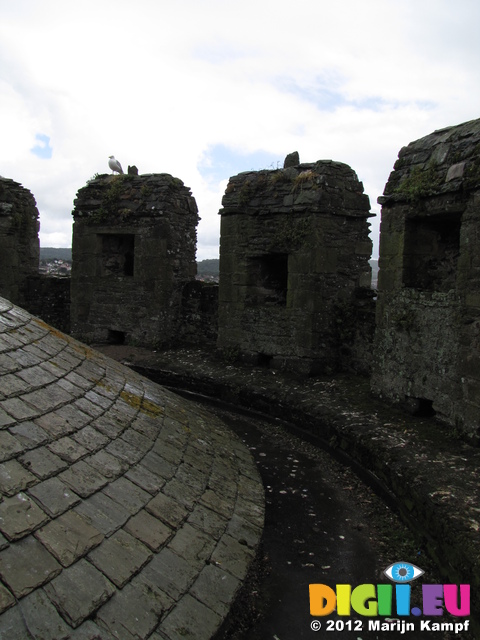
420, 182
142, 404
291, 233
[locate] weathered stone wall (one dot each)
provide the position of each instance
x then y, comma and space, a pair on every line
427, 343
134, 242
294, 271
49, 299
19, 245
199, 321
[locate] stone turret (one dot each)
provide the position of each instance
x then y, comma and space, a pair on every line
19, 244
134, 243
427, 353
294, 268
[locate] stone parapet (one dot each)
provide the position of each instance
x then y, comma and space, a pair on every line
134, 244
426, 354
325, 186
19, 244
295, 276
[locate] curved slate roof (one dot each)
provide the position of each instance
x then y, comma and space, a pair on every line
125, 511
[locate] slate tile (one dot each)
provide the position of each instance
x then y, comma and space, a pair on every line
91, 439
29, 434
19, 515
120, 614
9, 446
127, 494
83, 479
79, 591
145, 479
168, 573
42, 462
19, 409
7, 600
105, 514
14, 478
191, 620
54, 496
108, 465
120, 557
167, 509
42, 618
26, 565
192, 545
150, 530
232, 556
69, 537
68, 449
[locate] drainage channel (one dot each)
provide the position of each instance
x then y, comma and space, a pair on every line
322, 525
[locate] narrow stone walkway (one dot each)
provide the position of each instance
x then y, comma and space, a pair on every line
433, 476
126, 512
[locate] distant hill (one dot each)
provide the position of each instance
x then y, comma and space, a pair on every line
53, 253
204, 267
208, 267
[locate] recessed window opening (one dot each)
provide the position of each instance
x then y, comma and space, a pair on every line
264, 360
268, 280
118, 251
425, 408
419, 407
431, 250
116, 337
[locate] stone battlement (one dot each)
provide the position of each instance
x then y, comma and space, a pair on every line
134, 243
295, 279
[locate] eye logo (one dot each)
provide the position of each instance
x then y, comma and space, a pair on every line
403, 572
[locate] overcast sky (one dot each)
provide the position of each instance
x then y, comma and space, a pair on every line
205, 89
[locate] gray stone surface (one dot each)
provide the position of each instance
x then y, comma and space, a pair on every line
215, 588
26, 565
41, 617
118, 499
14, 477
19, 516
120, 557
295, 273
426, 354
69, 537
151, 531
105, 514
199, 622
54, 496
79, 591
134, 241
6, 598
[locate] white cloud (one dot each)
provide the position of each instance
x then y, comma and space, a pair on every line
160, 85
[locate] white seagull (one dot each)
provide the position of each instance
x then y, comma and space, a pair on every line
114, 165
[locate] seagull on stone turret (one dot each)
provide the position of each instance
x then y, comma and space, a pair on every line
114, 165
